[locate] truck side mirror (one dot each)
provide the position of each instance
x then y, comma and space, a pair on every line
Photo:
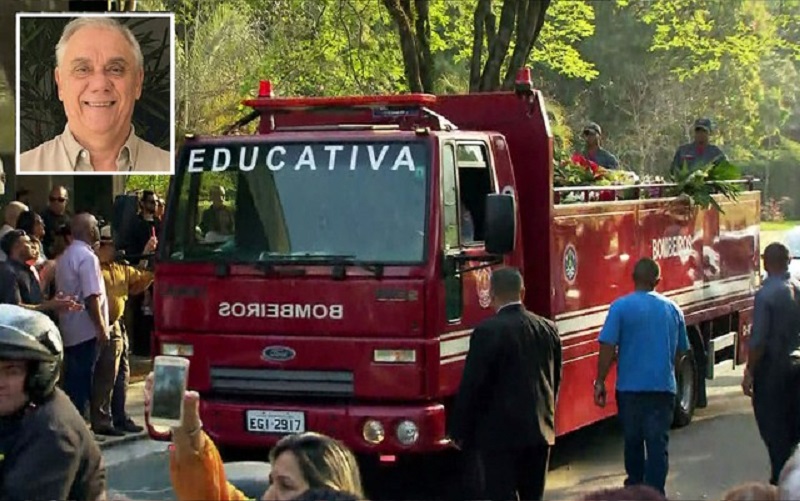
501, 224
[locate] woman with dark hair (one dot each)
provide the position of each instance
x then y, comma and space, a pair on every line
31, 223
307, 464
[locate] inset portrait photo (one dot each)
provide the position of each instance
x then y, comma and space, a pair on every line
95, 93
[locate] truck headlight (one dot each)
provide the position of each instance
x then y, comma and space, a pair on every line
177, 350
373, 432
394, 356
407, 432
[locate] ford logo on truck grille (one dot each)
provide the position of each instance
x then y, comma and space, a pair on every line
278, 353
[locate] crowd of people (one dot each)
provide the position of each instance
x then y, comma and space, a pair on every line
67, 266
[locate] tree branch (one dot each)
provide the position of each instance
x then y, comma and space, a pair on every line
490, 80
491, 26
408, 45
479, 20
423, 28
351, 51
545, 4
528, 28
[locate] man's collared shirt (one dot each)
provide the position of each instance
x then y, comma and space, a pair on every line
18, 284
776, 316
64, 154
508, 305
122, 280
696, 156
603, 158
78, 274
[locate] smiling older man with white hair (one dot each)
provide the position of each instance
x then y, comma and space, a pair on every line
99, 72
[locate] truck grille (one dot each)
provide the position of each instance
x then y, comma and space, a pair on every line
284, 383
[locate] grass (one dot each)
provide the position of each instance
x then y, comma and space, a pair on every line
778, 225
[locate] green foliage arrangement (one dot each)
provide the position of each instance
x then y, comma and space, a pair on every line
699, 185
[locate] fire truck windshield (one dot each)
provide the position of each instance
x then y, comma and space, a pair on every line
245, 201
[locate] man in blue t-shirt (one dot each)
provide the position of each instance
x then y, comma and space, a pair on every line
645, 332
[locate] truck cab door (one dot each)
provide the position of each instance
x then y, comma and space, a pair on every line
467, 177
454, 299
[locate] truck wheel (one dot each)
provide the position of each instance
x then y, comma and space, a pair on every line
686, 397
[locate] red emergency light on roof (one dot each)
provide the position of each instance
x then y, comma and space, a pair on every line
265, 89
298, 103
524, 83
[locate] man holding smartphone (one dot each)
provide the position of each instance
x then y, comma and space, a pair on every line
46, 450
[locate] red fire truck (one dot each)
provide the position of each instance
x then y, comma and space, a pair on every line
325, 273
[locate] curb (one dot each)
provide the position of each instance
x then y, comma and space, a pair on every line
111, 442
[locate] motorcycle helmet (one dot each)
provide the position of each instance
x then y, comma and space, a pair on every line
33, 337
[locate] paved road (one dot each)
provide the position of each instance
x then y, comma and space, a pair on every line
718, 450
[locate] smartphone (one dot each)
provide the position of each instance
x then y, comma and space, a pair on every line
170, 375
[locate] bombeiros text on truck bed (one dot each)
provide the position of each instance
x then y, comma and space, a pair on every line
319, 277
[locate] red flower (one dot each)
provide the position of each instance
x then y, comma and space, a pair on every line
587, 164
607, 196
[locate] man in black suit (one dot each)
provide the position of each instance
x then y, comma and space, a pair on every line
504, 416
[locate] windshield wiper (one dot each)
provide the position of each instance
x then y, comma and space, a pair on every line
338, 261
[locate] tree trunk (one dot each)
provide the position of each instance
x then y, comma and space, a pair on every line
529, 24
522, 18
490, 80
479, 24
423, 27
408, 43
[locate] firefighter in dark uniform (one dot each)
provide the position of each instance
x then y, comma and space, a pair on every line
504, 415
772, 376
700, 152
592, 134
46, 450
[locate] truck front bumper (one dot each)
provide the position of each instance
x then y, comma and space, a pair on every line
365, 429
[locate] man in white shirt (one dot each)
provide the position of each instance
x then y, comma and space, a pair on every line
78, 274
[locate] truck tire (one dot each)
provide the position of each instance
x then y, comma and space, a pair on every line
686, 396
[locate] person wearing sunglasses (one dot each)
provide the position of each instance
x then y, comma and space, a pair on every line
31, 223
592, 134
54, 216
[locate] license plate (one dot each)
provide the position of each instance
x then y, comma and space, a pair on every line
284, 422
